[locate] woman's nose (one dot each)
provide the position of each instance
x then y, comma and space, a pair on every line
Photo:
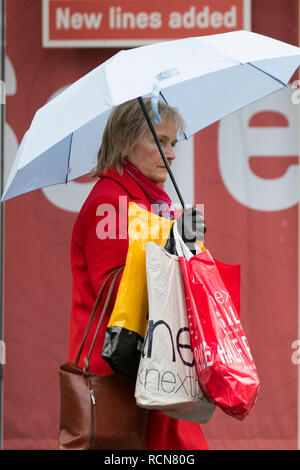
170, 152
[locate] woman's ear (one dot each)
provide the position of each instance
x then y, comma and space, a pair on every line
124, 153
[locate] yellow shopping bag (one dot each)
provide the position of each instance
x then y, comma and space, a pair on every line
127, 326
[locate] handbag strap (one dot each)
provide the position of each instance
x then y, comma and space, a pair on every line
114, 273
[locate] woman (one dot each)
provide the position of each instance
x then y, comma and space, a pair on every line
130, 168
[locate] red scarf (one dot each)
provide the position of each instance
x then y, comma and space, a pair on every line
158, 198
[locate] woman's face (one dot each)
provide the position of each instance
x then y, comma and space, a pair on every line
145, 154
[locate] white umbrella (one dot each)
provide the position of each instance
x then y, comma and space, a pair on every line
205, 77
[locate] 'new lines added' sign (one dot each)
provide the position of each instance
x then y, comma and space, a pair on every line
126, 23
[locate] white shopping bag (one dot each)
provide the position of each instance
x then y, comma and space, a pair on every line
167, 378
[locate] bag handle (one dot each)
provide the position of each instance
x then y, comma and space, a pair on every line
181, 247
114, 273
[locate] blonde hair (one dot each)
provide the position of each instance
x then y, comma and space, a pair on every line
125, 126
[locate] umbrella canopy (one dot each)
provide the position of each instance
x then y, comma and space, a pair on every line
205, 78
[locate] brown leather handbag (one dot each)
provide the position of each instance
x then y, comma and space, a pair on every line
99, 412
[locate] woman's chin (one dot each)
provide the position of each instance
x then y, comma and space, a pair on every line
161, 176
160, 181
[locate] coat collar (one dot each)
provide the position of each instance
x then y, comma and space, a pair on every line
129, 185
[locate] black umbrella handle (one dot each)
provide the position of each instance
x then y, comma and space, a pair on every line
149, 122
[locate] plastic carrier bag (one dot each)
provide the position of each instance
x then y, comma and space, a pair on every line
167, 378
127, 325
223, 360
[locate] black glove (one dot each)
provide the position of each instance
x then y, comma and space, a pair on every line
191, 226
197, 221
170, 244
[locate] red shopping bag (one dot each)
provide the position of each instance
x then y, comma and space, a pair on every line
231, 276
223, 360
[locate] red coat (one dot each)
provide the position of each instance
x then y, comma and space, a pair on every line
91, 260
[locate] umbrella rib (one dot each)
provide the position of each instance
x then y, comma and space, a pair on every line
69, 158
266, 73
185, 136
156, 139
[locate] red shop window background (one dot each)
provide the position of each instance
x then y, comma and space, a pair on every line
260, 234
